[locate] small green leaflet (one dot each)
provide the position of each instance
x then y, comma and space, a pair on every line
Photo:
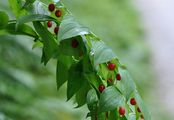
34, 17
22, 30
101, 52
50, 45
126, 85
69, 28
110, 99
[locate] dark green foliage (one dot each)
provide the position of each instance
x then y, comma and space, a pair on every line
83, 65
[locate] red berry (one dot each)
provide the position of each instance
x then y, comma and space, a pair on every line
58, 13
74, 43
49, 24
133, 101
51, 7
138, 109
122, 111
56, 30
111, 66
101, 88
118, 76
142, 117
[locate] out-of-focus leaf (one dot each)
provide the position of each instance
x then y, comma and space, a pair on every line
69, 28
3, 19
50, 45
16, 6
110, 99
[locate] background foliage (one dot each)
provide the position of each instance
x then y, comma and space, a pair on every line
29, 88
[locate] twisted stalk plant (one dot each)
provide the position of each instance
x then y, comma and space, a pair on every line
93, 72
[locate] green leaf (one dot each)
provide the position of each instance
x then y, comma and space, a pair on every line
3, 19
50, 45
66, 48
76, 79
81, 95
37, 7
23, 30
142, 106
126, 85
110, 99
94, 79
63, 65
34, 17
69, 28
101, 52
92, 99
16, 6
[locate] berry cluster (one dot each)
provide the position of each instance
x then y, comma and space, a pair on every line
58, 13
133, 102
111, 67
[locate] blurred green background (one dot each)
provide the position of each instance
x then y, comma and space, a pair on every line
28, 88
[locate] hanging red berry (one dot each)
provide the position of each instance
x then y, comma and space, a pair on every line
118, 77
74, 43
138, 109
101, 88
58, 13
111, 66
51, 7
56, 30
49, 24
122, 111
133, 101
